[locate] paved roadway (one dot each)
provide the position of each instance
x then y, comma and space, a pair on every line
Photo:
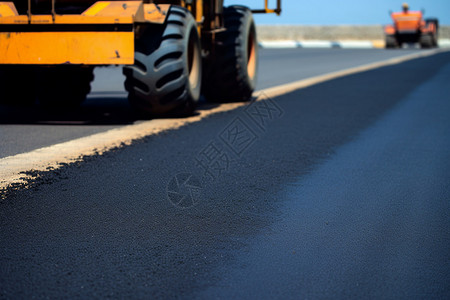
23, 130
341, 191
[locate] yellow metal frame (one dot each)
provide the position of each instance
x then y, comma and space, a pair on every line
7, 9
101, 35
31, 42
268, 10
101, 12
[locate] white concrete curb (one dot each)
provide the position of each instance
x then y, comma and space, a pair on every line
289, 44
317, 44
444, 43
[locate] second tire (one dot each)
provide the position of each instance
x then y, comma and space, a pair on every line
233, 65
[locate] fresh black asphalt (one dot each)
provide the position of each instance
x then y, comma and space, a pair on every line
339, 190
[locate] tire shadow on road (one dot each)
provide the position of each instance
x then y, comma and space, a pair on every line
95, 111
98, 109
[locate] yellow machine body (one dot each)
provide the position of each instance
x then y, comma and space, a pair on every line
104, 34
101, 35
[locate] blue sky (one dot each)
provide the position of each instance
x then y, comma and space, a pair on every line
352, 12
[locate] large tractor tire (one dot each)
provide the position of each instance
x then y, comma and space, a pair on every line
63, 86
233, 65
17, 85
166, 77
426, 41
391, 42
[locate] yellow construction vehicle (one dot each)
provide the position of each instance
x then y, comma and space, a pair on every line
172, 51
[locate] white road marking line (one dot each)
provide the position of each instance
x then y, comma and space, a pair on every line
12, 168
315, 44
279, 44
356, 44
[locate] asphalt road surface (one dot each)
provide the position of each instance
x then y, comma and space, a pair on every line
107, 106
339, 190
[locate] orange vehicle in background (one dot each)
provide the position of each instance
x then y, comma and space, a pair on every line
410, 27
